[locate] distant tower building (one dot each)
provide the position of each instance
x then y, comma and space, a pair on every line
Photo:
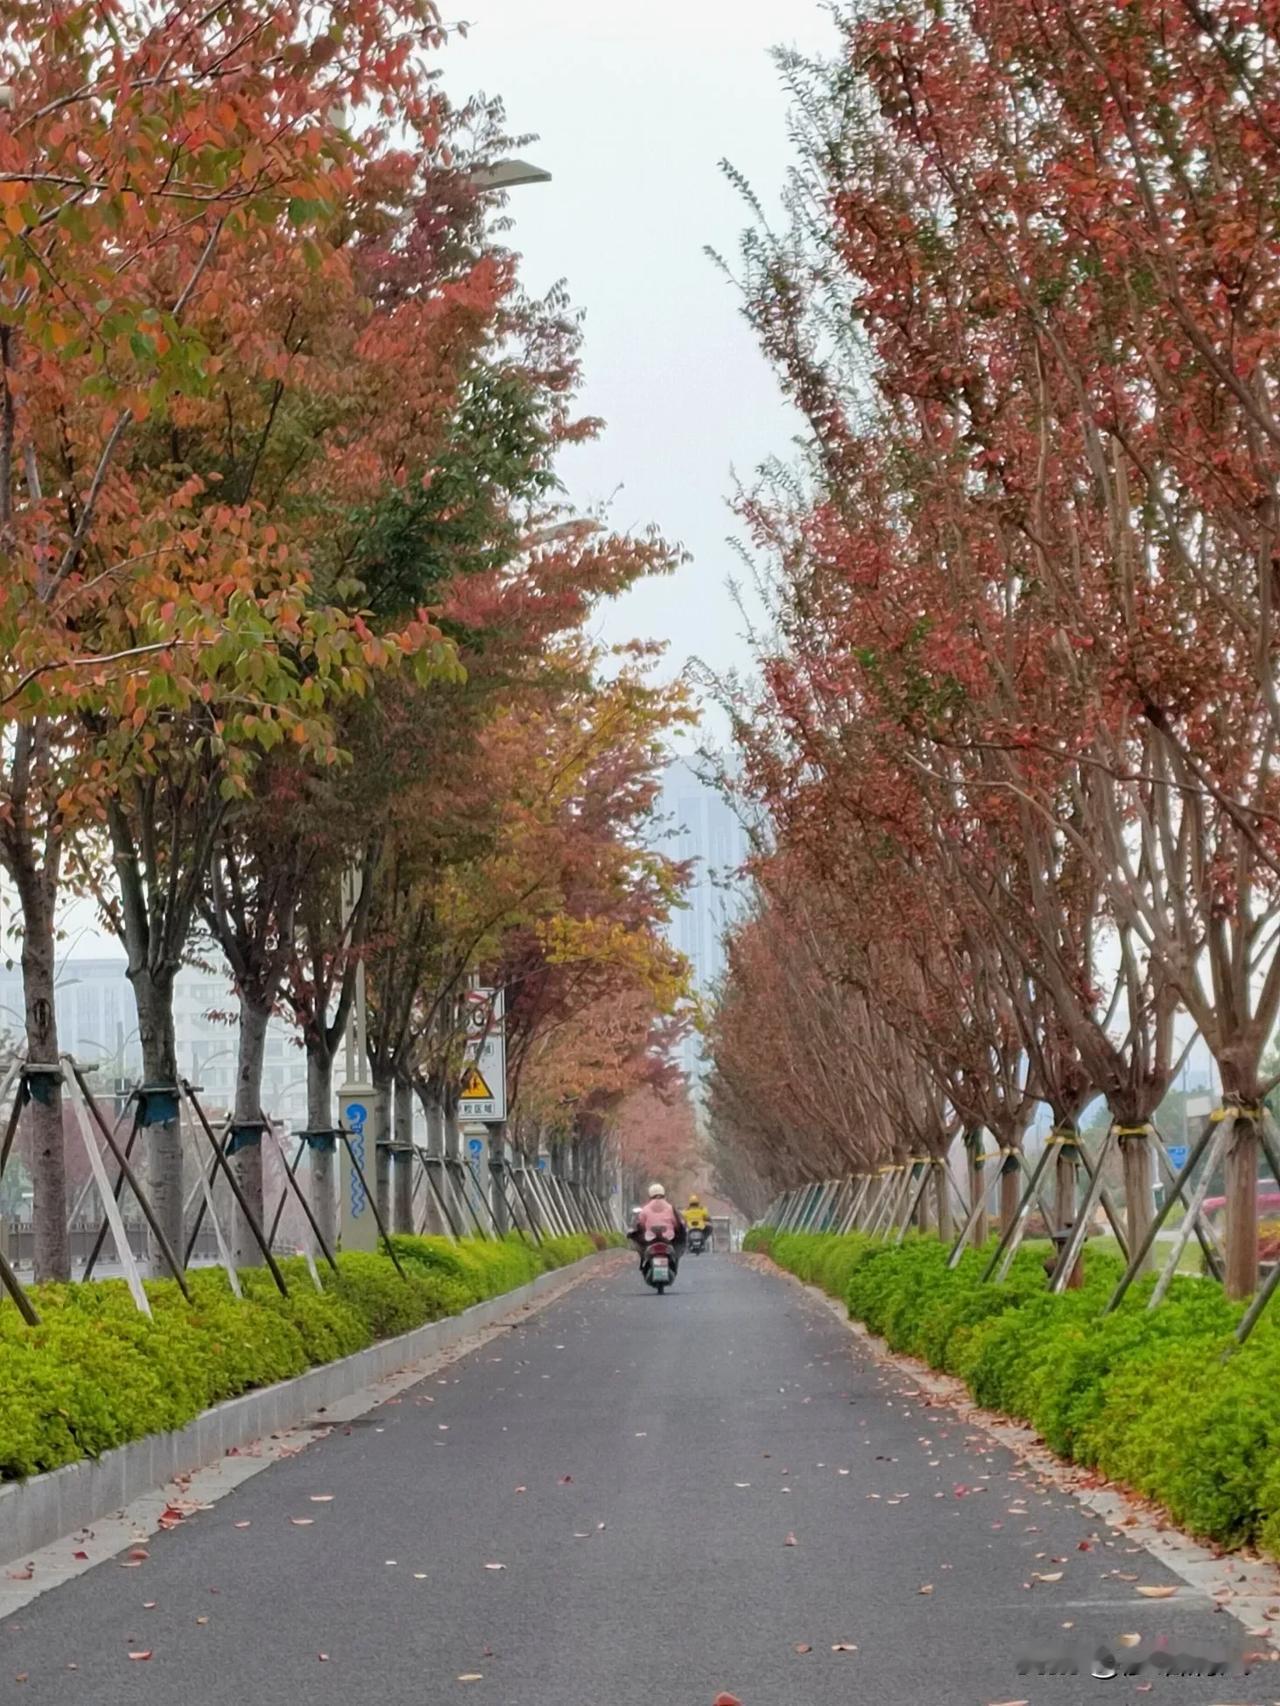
697, 825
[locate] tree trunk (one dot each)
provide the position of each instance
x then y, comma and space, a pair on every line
380, 1132
973, 1143
1242, 1210
1010, 1191
1065, 1203
246, 1138
404, 1161
153, 997
495, 1182
942, 1201
1136, 1159
436, 1224
44, 1110
322, 1144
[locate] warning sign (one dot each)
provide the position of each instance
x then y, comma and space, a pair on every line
482, 1090
474, 1088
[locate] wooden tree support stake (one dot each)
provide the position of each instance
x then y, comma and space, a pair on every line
75, 1080
13, 1285
237, 1190
1010, 1240
291, 1183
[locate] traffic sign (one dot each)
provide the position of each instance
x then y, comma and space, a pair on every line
482, 1094
1177, 1153
474, 1087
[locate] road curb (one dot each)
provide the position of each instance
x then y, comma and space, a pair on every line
45, 1508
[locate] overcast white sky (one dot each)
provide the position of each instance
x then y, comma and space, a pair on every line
634, 107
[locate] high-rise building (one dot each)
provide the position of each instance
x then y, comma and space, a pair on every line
698, 825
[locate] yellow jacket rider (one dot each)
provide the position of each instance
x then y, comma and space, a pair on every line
695, 1216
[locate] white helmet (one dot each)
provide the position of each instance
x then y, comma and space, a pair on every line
656, 1191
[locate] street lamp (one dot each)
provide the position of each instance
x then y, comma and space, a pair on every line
508, 175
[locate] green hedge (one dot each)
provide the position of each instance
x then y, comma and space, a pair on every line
96, 1373
1145, 1397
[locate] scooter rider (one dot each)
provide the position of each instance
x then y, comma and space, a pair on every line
659, 1219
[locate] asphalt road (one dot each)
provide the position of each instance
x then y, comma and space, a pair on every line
680, 1492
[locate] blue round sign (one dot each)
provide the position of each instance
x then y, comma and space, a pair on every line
475, 1145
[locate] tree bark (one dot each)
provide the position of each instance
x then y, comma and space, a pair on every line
1242, 1210
1136, 1159
973, 1142
404, 1161
323, 1146
380, 1132
1065, 1203
153, 997
942, 1202
497, 1178
44, 1110
247, 1118
1010, 1191
436, 1224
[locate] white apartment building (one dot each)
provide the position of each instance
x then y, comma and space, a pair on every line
97, 1023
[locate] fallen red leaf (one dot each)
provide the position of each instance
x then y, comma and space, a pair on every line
726, 1700
145, 1654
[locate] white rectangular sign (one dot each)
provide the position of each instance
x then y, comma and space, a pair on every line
483, 1091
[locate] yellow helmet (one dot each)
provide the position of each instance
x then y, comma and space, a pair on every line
693, 1200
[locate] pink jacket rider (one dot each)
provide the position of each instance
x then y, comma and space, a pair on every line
657, 1215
